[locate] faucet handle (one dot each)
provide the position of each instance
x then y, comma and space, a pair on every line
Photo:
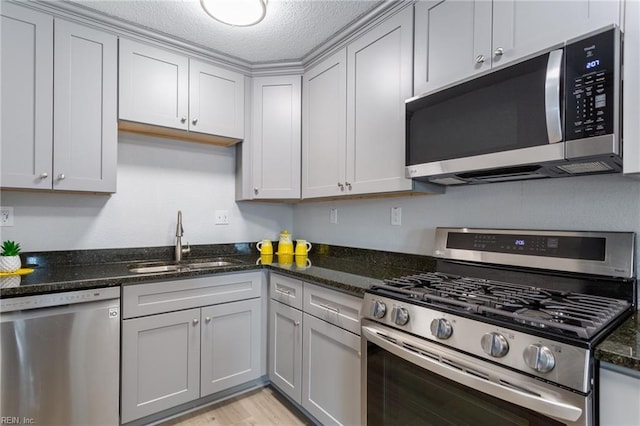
186, 249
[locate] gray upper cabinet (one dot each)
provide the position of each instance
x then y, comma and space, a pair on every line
27, 98
457, 39
324, 127
84, 109
216, 100
274, 164
65, 140
379, 80
162, 88
367, 83
154, 85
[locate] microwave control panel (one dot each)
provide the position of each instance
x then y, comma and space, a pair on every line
591, 71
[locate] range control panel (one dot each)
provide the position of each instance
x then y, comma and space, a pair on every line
591, 71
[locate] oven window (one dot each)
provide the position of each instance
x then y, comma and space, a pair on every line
401, 393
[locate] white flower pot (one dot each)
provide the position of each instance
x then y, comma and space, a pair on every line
9, 263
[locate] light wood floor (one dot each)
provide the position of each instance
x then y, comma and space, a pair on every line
259, 407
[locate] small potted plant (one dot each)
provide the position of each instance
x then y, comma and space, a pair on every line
9, 258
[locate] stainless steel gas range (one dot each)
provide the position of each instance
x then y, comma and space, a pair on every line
502, 333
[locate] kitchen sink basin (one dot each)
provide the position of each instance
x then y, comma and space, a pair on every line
184, 266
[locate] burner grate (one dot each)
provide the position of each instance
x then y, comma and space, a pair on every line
578, 314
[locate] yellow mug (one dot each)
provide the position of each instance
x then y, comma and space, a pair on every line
265, 247
302, 247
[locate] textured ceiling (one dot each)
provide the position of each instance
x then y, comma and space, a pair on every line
290, 30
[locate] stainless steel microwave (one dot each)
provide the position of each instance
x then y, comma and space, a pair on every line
554, 114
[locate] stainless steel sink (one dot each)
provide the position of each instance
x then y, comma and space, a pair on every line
185, 265
154, 269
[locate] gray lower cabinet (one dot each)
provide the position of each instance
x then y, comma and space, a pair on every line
160, 362
285, 349
330, 372
230, 339
187, 339
314, 349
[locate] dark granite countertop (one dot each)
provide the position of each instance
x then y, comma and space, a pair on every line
342, 268
622, 347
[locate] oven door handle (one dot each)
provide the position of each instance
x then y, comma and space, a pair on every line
555, 409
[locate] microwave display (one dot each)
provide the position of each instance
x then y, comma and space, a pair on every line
590, 87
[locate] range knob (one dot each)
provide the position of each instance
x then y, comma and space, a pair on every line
378, 309
494, 344
441, 328
400, 315
539, 358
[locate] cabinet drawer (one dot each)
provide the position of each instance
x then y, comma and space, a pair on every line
286, 290
334, 307
165, 296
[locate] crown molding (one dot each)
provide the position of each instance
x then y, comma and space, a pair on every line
344, 36
118, 27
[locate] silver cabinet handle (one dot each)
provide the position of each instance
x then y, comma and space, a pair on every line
183, 120
348, 185
296, 323
341, 186
194, 121
61, 176
44, 175
552, 96
255, 190
498, 52
479, 59
330, 308
285, 292
195, 321
207, 319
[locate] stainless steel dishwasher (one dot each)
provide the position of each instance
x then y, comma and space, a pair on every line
60, 358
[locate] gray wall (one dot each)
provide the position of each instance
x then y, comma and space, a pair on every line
156, 178
606, 203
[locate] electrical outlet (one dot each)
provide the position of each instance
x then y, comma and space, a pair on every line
396, 216
222, 217
333, 216
6, 216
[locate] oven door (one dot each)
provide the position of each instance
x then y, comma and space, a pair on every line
408, 380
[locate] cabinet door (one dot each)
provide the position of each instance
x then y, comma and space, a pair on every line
26, 61
619, 395
452, 41
154, 85
276, 137
285, 349
231, 341
517, 24
86, 129
216, 100
160, 362
379, 81
324, 127
331, 373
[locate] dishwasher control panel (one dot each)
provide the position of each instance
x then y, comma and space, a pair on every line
58, 299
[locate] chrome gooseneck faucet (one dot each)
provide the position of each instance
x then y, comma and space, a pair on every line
179, 232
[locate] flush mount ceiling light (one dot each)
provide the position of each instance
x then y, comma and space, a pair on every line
238, 13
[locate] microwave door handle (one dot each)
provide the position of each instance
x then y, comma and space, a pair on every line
552, 96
